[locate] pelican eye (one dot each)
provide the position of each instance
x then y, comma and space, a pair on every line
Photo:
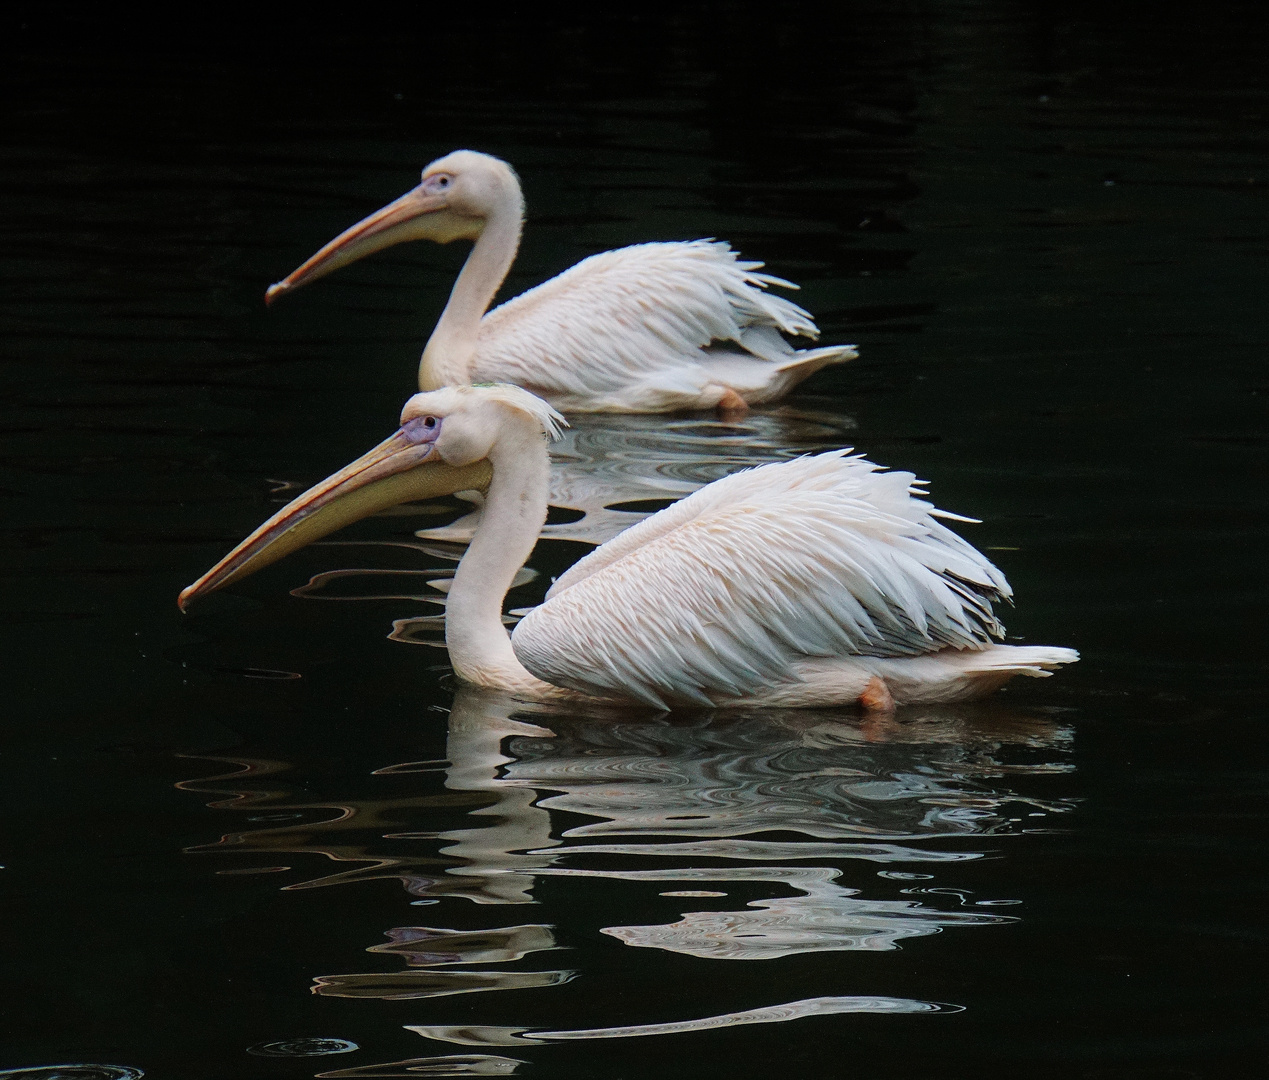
421, 429
437, 182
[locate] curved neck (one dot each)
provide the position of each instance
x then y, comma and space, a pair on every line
510, 521
447, 358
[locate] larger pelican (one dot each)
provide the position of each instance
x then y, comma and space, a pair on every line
646, 329
818, 581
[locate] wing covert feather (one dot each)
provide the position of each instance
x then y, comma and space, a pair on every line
720, 593
643, 309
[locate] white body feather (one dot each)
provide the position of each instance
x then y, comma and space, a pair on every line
790, 584
650, 328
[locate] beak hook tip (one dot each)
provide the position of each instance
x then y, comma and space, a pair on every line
272, 292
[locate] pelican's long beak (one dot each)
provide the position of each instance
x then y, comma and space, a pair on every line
396, 471
410, 217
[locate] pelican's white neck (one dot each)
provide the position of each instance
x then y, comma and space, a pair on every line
448, 356
510, 521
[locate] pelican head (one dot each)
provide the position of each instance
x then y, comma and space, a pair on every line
457, 197
444, 444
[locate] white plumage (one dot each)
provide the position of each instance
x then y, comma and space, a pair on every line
650, 328
819, 581
725, 592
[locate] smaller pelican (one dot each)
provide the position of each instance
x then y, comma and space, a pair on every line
650, 328
819, 581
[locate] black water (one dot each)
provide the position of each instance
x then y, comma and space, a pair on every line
1045, 225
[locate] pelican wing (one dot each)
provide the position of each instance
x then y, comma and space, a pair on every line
645, 312
718, 594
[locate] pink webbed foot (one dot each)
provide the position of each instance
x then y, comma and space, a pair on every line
731, 406
876, 697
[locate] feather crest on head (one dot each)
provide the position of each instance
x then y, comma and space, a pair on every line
551, 422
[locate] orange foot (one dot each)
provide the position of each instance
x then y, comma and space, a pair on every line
876, 696
731, 406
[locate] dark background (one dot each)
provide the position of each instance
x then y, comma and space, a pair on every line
1045, 225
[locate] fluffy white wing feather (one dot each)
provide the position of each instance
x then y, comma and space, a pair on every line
718, 594
642, 313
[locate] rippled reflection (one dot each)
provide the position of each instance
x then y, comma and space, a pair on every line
445, 1065
823, 918
303, 1048
710, 787
403, 985
792, 833
493, 1035
821, 774
73, 1072
424, 946
715, 787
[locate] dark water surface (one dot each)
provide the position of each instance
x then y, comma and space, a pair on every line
268, 840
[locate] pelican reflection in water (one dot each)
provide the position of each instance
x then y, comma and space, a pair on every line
645, 329
819, 581
866, 822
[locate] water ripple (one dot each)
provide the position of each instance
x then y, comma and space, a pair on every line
781, 771
404, 985
809, 821
428, 946
825, 918
72, 1072
713, 787
303, 1048
493, 1035
776, 850
446, 1065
